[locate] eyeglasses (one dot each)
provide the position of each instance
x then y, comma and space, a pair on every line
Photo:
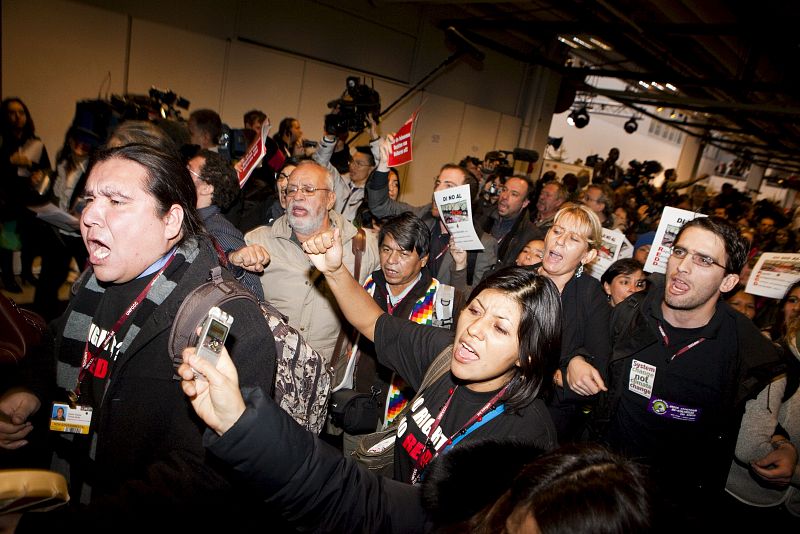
196, 175
698, 259
308, 190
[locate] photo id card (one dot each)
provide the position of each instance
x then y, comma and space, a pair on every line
70, 419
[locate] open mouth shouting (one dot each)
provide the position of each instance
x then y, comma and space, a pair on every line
98, 251
677, 286
464, 353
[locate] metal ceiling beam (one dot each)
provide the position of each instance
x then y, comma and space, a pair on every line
680, 80
596, 27
699, 104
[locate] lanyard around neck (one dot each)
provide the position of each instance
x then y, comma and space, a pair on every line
478, 417
89, 355
681, 351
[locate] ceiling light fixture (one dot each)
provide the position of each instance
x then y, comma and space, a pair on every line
600, 44
657, 86
644, 84
579, 118
631, 125
582, 43
673, 114
567, 42
671, 87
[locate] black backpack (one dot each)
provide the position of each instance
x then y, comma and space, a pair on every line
302, 380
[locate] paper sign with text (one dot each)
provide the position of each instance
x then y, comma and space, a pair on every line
609, 252
401, 148
253, 157
672, 219
455, 210
773, 274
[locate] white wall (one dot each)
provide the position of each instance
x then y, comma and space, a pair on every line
75, 45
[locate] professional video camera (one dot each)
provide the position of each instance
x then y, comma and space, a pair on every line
642, 172
349, 112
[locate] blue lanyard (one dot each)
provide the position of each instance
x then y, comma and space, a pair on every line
477, 424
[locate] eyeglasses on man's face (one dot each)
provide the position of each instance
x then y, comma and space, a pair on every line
700, 260
307, 189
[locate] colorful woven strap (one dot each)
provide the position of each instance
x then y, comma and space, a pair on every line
399, 391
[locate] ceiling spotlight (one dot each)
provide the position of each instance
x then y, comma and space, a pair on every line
673, 114
579, 118
631, 125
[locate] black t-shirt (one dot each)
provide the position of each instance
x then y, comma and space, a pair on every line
115, 301
409, 349
672, 400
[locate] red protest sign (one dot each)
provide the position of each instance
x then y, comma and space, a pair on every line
401, 148
254, 155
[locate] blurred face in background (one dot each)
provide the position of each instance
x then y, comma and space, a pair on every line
532, 253
625, 285
744, 303
17, 118
394, 185
792, 307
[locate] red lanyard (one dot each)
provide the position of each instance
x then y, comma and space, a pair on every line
688, 347
90, 356
417, 471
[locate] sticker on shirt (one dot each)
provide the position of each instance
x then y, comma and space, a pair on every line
641, 378
673, 411
70, 419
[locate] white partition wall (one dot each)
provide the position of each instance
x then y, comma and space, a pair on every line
57, 52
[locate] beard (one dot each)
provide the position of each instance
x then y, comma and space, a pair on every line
689, 301
308, 224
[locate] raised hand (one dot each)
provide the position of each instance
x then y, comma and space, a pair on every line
325, 250
384, 150
252, 258
459, 255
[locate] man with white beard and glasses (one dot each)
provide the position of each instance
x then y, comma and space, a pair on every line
684, 364
290, 281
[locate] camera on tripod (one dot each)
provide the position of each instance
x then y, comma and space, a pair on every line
349, 112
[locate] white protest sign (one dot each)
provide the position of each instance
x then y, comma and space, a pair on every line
455, 210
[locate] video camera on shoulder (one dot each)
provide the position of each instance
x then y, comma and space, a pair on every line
349, 112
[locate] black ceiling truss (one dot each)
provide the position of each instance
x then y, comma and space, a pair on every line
738, 73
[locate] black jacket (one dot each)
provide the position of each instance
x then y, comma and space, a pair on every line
150, 460
319, 490
756, 363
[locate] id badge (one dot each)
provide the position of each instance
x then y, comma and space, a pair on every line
70, 419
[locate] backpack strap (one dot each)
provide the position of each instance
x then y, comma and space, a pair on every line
194, 309
439, 367
445, 300
359, 244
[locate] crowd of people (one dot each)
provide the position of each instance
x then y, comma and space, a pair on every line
628, 402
